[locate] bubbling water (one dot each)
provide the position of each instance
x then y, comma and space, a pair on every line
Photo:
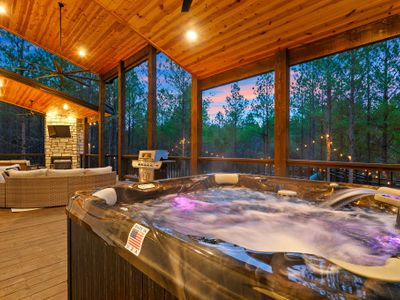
270, 223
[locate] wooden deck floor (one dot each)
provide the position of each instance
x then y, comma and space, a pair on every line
33, 254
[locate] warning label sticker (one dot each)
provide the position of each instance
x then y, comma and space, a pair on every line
136, 238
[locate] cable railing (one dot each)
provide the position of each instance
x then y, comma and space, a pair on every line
351, 172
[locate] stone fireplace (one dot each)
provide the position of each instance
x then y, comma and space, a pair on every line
64, 147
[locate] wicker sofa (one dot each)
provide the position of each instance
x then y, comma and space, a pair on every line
46, 191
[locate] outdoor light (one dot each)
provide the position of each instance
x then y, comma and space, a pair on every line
191, 35
65, 106
3, 10
82, 52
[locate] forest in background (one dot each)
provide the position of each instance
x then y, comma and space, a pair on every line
346, 107
343, 107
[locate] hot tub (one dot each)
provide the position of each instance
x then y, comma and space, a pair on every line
221, 236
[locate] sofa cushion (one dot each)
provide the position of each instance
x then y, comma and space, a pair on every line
96, 171
65, 172
24, 174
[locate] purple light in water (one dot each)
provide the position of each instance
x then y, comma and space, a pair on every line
183, 203
389, 243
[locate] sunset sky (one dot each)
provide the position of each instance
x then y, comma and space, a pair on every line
219, 94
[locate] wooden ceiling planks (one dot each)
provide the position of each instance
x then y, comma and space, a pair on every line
231, 33
26, 93
85, 24
234, 33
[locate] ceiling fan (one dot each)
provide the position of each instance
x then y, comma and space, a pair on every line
30, 111
186, 5
58, 69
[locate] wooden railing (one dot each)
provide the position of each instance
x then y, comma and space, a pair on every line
181, 166
355, 172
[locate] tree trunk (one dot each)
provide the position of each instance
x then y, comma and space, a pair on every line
385, 106
369, 104
352, 111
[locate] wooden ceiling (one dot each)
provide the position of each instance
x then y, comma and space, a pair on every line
85, 24
231, 32
28, 94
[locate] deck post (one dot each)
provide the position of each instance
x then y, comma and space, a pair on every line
121, 117
281, 125
85, 143
196, 126
152, 95
102, 104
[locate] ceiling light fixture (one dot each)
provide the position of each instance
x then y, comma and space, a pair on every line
82, 52
191, 35
3, 10
65, 106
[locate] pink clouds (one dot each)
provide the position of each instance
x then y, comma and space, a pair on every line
218, 95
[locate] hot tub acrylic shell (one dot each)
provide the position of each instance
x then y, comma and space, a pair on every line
202, 268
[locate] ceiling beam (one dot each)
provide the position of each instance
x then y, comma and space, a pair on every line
354, 38
37, 85
131, 62
358, 37
263, 66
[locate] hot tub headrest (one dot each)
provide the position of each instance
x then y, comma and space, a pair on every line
226, 178
108, 194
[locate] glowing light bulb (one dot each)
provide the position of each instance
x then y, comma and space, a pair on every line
191, 35
65, 106
3, 10
82, 52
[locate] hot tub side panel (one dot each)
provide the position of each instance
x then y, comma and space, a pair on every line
96, 271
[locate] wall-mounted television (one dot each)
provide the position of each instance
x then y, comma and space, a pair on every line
59, 131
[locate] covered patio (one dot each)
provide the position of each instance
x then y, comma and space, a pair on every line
294, 89
213, 60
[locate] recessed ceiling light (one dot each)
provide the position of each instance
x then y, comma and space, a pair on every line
65, 106
3, 10
82, 52
191, 35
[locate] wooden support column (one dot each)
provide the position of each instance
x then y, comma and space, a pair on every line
281, 125
196, 126
152, 95
85, 143
121, 117
102, 104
